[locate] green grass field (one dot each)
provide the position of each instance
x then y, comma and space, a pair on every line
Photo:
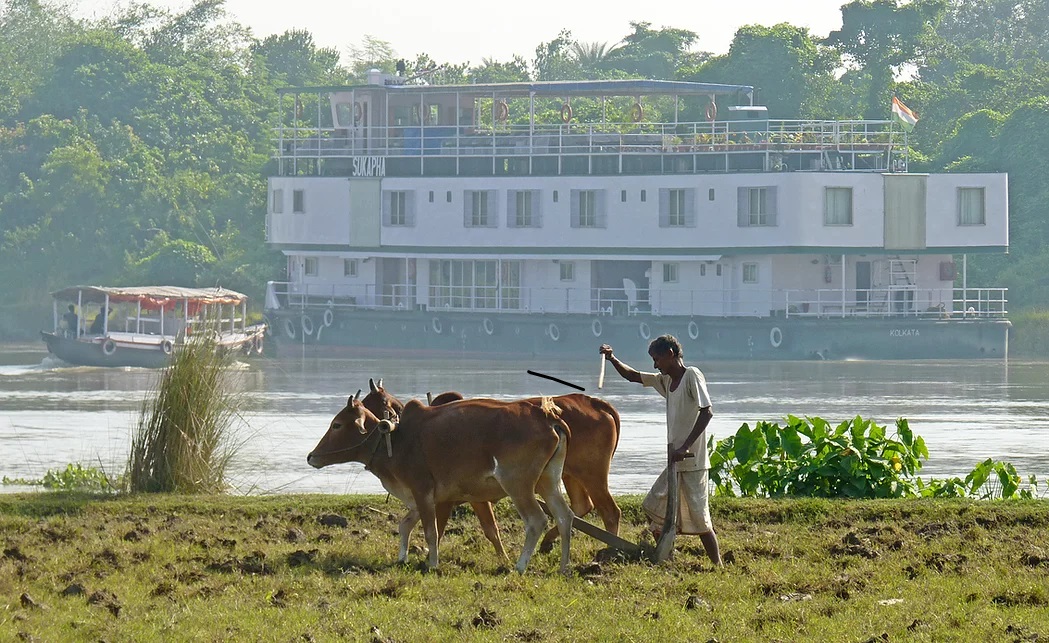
189, 568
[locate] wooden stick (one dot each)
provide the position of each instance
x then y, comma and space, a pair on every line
601, 373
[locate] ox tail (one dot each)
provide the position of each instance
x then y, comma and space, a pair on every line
549, 407
606, 408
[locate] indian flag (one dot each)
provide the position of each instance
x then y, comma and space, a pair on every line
903, 114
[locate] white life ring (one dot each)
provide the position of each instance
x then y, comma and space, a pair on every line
166, 346
489, 326
109, 347
307, 325
693, 330
329, 317
644, 330
554, 332
435, 324
595, 327
289, 328
775, 337
258, 344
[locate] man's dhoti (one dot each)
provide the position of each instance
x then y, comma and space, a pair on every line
693, 510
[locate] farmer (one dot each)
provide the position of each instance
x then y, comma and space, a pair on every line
688, 413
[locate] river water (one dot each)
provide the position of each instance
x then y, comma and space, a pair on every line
53, 414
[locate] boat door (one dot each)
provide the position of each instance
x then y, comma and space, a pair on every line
863, 283
621, 287
391, 282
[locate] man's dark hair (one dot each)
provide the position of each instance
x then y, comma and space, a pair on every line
665, 343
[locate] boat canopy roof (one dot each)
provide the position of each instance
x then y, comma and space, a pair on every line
152, 296
557, 88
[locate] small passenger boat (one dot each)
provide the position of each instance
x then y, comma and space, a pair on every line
144, 325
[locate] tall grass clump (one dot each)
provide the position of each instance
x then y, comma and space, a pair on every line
184, 439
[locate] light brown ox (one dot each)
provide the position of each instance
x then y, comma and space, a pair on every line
471, 451
594, 424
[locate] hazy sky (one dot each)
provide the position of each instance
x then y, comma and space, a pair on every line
454, 31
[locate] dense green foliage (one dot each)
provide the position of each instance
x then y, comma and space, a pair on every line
136, 145
856, 459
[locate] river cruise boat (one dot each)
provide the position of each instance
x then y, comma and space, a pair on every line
547, 218
144, 326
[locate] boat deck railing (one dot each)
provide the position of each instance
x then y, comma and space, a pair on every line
929, 303
770, 145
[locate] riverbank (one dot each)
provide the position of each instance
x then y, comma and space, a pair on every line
321, 567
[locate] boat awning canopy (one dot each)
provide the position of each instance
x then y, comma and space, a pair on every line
150, 296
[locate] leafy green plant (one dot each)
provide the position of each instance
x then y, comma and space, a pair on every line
75, 477
808, 457
855, 459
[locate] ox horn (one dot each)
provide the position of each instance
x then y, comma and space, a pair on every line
371, 385
380, 382
358, 396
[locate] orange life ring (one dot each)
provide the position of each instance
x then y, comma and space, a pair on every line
712, 111
566, 112
637, 112
358, 112
502, 111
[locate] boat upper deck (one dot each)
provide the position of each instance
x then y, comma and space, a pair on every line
563, 128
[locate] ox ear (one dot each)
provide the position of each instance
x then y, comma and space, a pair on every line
359, 422
371, 385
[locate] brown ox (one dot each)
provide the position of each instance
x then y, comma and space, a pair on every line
594, 424
472, 451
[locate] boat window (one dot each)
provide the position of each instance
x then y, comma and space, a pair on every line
622, 196
644, 196
718, 272
567, 271
756, 206
431, 196
677, 208
398, 208
702, 270
479, 209
670, 273
837, 206
588, 209
310, 268
750, 273
710, 194
344, 112
522, 209
349, 267
448, 196
971, 206
298, 201
278, 201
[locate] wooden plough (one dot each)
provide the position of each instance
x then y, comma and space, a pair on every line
665, 545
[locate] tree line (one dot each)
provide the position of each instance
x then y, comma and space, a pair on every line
134, 148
